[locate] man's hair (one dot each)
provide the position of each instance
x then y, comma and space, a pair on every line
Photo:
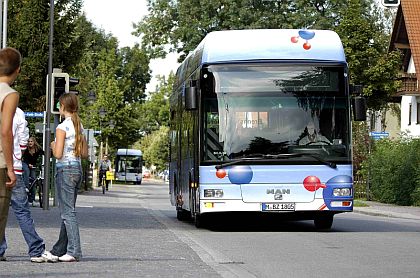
10, 60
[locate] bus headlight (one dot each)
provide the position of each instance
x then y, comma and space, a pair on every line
338, 192
213, 193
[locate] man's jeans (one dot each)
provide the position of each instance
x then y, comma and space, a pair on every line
21, 209
68, 180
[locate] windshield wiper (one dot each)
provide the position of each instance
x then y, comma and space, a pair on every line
262, 157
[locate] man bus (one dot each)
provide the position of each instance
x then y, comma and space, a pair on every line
128, 165
243, 103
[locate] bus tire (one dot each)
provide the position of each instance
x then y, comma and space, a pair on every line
324, 222
182, 214
199, 221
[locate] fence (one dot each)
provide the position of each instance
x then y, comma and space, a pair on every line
361, 188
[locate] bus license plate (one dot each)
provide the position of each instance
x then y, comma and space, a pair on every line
278, 206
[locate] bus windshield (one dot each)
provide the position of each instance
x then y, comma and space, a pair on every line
272, 109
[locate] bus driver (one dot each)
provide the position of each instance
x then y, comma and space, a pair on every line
313, 137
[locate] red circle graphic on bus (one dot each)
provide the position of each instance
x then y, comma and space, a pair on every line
221, 173
313, 183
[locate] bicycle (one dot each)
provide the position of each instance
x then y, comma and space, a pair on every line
103, 185
38, 184
102, 181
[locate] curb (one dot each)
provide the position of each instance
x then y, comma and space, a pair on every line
374, 212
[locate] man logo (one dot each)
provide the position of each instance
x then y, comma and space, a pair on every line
278, 193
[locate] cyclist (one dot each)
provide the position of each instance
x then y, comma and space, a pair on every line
104, 165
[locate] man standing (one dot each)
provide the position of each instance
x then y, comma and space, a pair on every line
20, 204
10, 60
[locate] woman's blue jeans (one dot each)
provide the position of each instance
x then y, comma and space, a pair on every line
21, 209
29, 174
68, 180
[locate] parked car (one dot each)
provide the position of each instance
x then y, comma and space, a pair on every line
146, 174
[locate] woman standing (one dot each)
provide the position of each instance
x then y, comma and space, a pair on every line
29, 161
68, 148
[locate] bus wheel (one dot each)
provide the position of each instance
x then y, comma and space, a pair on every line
199, 221
323, 222
182, 214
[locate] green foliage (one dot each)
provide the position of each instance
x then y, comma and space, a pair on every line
154, 121
361, 142
393, 171
365, 40
184, 23
28, 31
155, 148
154, 113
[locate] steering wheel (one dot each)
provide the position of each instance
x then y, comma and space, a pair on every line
316, 142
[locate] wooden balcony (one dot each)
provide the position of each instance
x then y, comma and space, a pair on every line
409, 85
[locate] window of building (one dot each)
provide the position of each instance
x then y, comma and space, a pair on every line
409, 114
418, 113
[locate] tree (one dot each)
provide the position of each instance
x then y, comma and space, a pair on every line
28, 31
365, 43
154, 113
182, 24
134, 73
155, 148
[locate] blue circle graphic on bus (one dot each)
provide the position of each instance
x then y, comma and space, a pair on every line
337, 180
306, 34
240, 174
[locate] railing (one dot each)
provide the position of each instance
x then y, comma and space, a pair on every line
409, 85
360, 188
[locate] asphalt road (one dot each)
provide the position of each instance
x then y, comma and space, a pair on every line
132, 231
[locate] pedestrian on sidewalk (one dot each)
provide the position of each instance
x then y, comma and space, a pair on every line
29, 162
10, 60
19, 200
68, 148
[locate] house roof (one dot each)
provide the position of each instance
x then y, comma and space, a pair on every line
406, 31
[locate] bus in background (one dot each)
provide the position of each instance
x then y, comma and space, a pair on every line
128, 165
260, 121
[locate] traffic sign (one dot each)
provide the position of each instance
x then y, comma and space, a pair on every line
378, 135
34, 114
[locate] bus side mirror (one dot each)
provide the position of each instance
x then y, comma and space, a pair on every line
191, 98
359, 108
359, 103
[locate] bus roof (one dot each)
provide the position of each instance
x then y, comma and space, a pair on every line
272, 44
264, 45
129, 152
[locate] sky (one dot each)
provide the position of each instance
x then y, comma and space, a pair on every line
117, 18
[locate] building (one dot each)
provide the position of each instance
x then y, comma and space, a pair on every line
406, 37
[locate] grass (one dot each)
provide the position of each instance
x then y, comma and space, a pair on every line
359, 203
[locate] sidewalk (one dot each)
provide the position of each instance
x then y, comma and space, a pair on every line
387, 210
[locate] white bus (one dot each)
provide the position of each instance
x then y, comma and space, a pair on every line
260, 122
128, 165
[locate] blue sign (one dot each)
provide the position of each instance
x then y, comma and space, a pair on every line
378, 135
34, 114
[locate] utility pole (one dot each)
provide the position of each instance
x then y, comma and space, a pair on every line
4, 24
47, 131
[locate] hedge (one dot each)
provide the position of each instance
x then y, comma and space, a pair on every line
393, 171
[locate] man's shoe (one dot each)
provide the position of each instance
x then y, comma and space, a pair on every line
49, 257
67, 258
3, 258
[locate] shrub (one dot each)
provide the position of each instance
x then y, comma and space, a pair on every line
393, 171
